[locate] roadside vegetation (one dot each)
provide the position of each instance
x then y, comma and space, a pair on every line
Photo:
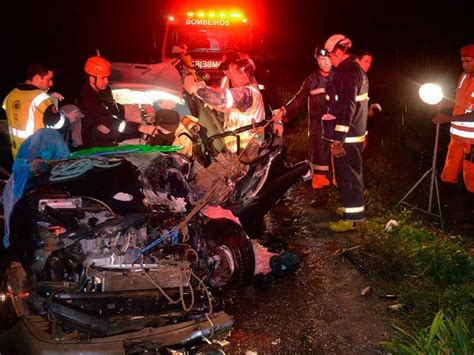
429, 272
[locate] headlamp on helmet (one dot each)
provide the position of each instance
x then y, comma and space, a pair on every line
320, 52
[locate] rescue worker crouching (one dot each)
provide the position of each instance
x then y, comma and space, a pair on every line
106, 122
313, 94
345, 127
30, 107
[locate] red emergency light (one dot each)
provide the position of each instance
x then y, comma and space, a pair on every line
231, 15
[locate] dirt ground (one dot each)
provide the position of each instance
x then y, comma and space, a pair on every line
320, 308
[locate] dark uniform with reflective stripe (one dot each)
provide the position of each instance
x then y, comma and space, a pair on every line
313, 93
348, 93
100, 108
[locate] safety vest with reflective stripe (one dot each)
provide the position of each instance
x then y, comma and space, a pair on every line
464, 103
237, 119
25, 112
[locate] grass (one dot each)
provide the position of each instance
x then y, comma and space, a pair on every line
445, 335
429, 270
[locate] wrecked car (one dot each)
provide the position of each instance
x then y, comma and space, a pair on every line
256, 178
119, 250
119, 253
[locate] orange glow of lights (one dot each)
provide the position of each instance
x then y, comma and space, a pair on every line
234, 15
171, 18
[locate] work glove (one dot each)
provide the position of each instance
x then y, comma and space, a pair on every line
72, 113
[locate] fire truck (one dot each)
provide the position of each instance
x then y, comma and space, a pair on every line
205, 36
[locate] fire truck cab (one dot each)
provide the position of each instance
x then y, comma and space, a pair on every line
206, 35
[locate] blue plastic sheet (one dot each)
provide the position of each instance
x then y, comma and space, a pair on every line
45, 144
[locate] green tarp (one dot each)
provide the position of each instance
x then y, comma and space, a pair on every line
130, 148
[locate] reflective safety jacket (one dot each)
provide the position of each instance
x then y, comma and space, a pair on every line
240, 116
29, 109
243, 105
464, 103
348, 103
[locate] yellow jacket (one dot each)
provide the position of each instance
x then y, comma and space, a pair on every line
25, 107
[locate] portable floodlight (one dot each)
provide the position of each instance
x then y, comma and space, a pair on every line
430, 93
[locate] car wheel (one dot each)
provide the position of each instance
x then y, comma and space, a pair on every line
227, 242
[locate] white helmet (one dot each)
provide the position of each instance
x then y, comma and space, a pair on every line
335, 40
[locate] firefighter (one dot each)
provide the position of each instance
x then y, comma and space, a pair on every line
104, 123
345, 127
243, 101
30, 107
313, 94
364, 58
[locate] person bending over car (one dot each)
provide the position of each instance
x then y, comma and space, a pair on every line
243, 101
106, 122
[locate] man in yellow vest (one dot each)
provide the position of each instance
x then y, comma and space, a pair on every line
30, 107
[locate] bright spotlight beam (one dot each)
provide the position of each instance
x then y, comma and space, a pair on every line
430, 93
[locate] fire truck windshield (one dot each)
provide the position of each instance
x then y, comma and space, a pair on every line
200, 39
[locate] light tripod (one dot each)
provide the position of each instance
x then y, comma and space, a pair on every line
433, 185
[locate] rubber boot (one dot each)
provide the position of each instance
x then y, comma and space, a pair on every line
342, 226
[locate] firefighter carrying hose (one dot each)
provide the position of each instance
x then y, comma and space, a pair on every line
30, 107
106, 122
313, 94
345, 127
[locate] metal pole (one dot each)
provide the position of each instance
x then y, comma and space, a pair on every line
433, 169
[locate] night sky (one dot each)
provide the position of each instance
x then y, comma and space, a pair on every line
413, 41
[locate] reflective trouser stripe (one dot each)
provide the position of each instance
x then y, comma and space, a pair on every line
358, 139
460, 133
323, 168
353, 209
348, 170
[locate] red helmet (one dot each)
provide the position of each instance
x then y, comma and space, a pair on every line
97, 66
